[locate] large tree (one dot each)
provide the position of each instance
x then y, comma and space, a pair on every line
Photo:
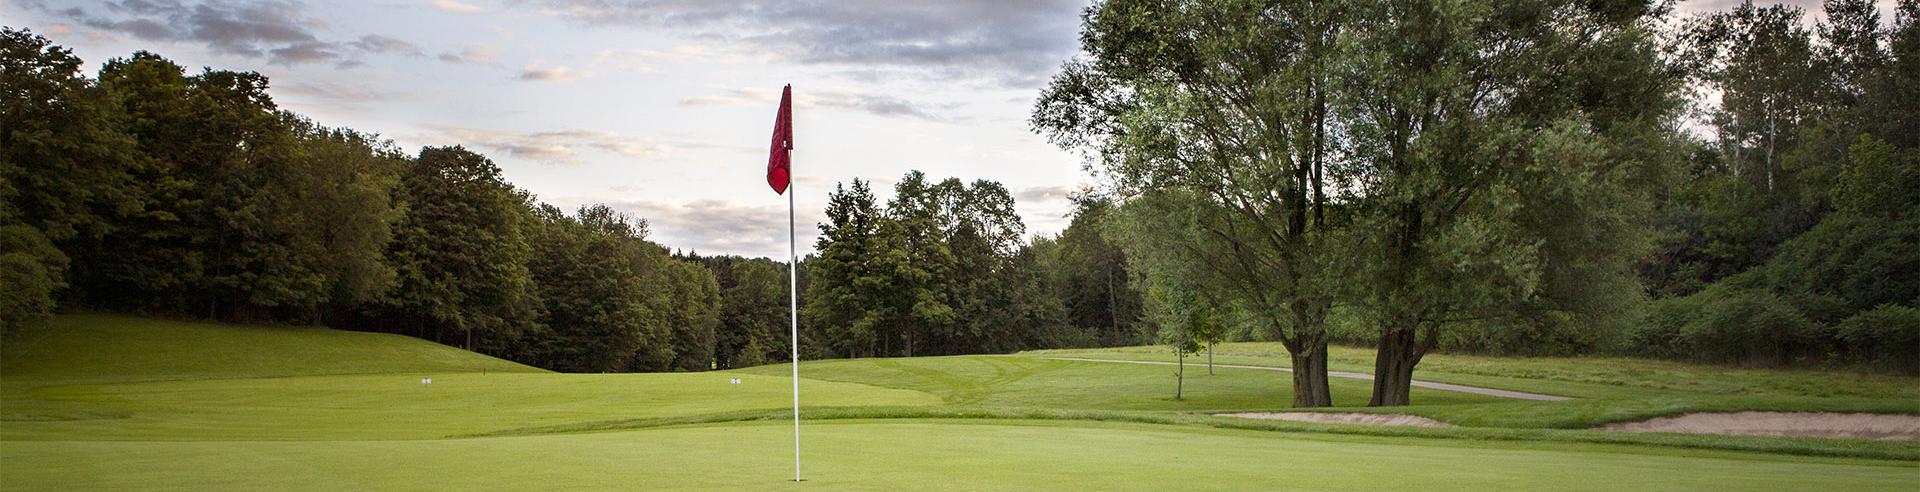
460, 249
1495, 147
1210, 120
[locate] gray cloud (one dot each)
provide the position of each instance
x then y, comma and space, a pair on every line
279, 31
337, 93
374, 43
875, 104
1009, 42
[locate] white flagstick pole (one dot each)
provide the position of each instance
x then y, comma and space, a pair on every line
793, 297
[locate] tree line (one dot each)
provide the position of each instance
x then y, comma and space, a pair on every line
1542, 177
149, 189
146, 188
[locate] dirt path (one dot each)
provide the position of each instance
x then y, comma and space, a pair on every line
1356, 375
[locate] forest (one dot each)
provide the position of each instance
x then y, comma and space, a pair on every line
1736, 187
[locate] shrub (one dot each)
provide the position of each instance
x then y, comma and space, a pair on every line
1753, 327
1887, 336
31, 271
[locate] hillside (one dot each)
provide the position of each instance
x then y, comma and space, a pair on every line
99, 348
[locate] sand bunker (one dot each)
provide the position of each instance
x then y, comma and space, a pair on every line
1799, 424
1344, 418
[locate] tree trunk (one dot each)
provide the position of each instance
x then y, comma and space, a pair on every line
1400, 350
1310, 376
1180, 375
1209, 358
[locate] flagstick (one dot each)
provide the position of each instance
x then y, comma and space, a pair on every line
793, 298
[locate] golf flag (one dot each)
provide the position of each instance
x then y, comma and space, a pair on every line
780, 176
780, 160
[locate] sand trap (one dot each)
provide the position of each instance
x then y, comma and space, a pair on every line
1343, 418
1799, 424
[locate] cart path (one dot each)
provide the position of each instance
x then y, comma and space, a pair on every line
1356, 375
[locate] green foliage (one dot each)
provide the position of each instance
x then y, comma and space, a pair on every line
753, 313
941, 270
1089, 275
460, 250
1884, 336
692, 302
32, 270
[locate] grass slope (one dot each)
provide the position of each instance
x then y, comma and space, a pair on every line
97, 348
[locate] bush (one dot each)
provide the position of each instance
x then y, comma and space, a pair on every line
31, 271
1752, 327
1659, 334
1887, 336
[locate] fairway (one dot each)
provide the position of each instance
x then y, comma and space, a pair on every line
921, 455
170, 418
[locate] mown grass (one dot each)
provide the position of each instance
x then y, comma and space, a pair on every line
100, 348
114, 402
1570, 376
1607, 389
927, 455
999, 381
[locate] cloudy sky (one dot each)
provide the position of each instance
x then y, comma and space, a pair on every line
661, 108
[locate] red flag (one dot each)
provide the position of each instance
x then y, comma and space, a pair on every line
780, 161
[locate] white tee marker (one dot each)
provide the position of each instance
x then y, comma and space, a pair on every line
426, 380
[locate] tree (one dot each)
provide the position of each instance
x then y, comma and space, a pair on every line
460, 250
32, 269
850, 300
753, 310
1210, 120
594, 285
693, 298
337, 191
1185, 317
63, 159
1090, 275
1474, 129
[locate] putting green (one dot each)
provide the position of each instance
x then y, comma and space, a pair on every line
920, 455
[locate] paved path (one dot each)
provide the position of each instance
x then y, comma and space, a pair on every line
1357, 375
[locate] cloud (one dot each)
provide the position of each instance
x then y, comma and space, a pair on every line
470, 54
456, 7
279, 31
556, 74
1040, 194
557, 147
337, 93
724, 227
874, 104
1012, 43
374, 43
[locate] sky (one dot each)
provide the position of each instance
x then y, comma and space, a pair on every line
659, 108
